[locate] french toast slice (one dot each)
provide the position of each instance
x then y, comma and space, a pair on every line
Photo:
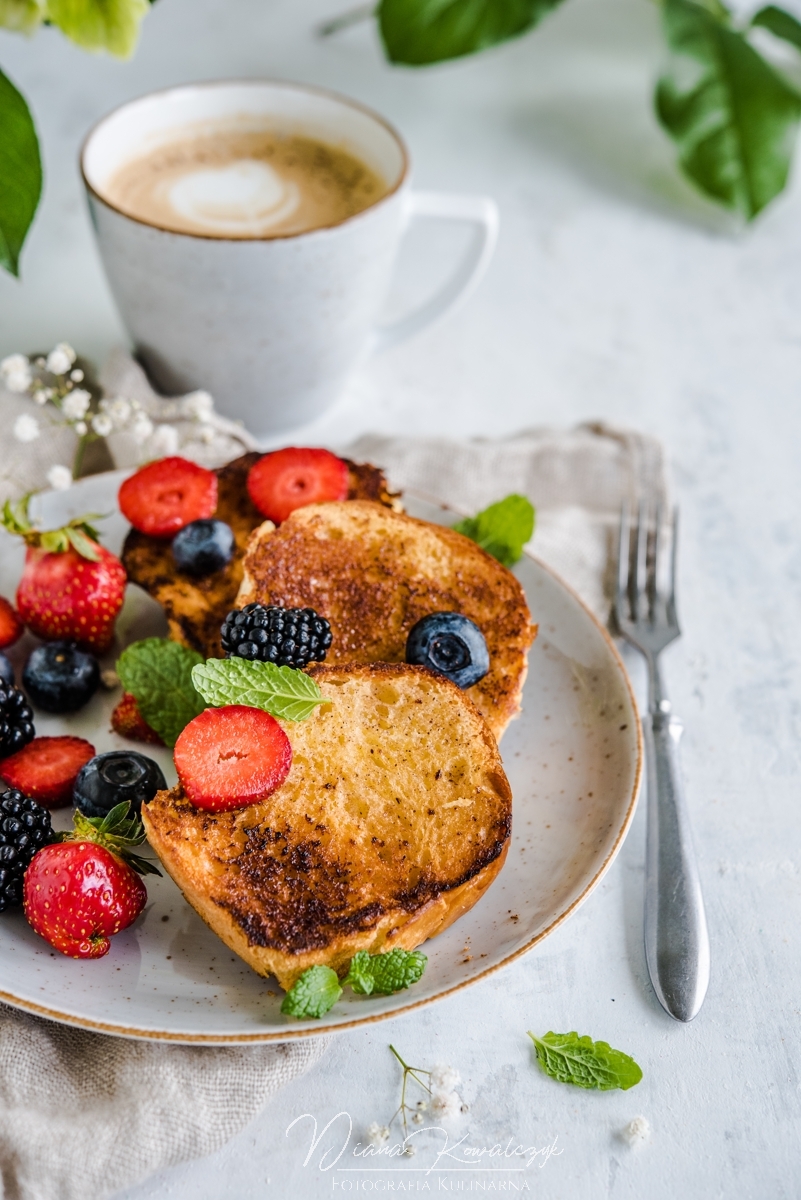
393, 821
372, 573
196, 608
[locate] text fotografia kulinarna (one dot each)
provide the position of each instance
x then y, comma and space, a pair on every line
442, 1154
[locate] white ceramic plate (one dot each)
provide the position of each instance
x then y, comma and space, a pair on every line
573, 760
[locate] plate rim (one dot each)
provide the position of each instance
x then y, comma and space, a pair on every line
288, 1034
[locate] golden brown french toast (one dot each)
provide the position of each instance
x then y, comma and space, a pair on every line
196, 608
372, 573
393, 821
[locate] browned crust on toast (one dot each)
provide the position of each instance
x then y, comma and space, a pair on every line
373, 573
353, 851
196, 608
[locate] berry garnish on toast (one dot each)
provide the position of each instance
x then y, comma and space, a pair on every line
161, 498
393, 821
373, 574
197, 607
46, 769
287, 479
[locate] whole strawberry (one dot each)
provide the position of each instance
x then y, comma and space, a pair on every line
80, 891
72, 588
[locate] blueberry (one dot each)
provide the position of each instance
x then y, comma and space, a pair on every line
203, 546
60, 678
450, 644
6, 670
108, 779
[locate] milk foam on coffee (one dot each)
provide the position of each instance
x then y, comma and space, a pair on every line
233, 182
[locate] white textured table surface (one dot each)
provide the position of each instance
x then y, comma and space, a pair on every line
615, 293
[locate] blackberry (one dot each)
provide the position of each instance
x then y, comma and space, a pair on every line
16, 720
24, 828
288, 637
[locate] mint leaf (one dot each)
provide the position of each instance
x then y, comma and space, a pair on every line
780, 23
281, 691
426, 31
385, 973
111, 25
158, 673
502, 529
585, 1063
313, 994
732, 116
20, 173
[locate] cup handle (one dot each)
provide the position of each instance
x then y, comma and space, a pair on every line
478, 211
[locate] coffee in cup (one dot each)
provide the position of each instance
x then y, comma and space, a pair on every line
249, 232
230, 180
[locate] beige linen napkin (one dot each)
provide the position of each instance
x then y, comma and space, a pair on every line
82, 1114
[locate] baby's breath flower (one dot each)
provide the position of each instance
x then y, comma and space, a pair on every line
377, 1134
102, 424
164, 441
197, 404
636, 1133
76, 403
16, 373
118, 409
77, 375
142, 428
445, 1106
41, 396
59, 477
409, 1149
81, 428
444, 1079
26, 428
418, 1118
60, 359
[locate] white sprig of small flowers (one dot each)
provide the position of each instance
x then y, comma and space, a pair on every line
54, 379
441, 1101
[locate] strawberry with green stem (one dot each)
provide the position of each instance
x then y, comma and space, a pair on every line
71, 587
81, 890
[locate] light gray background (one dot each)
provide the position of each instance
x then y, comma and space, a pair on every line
616, 292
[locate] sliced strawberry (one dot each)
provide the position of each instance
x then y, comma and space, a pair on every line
128, 722
46, 769
233, 756
166, 495
11, 626
287, 479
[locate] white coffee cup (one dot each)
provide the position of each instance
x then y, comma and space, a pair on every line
272, 327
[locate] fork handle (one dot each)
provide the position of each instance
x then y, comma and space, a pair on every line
676, 937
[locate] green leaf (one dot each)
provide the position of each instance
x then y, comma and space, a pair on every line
20, 173
502, 529
22, 16
732, 116
281, 691
385, 973
585, 1063
158, 673
418, 32
313, 994
111, 25
778, 22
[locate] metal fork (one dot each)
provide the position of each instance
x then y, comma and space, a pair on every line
676, 938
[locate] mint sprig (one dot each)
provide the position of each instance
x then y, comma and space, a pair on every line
384, 974
158, 674
283, 692
585, 1063
318, 989
502, 529
313, 994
